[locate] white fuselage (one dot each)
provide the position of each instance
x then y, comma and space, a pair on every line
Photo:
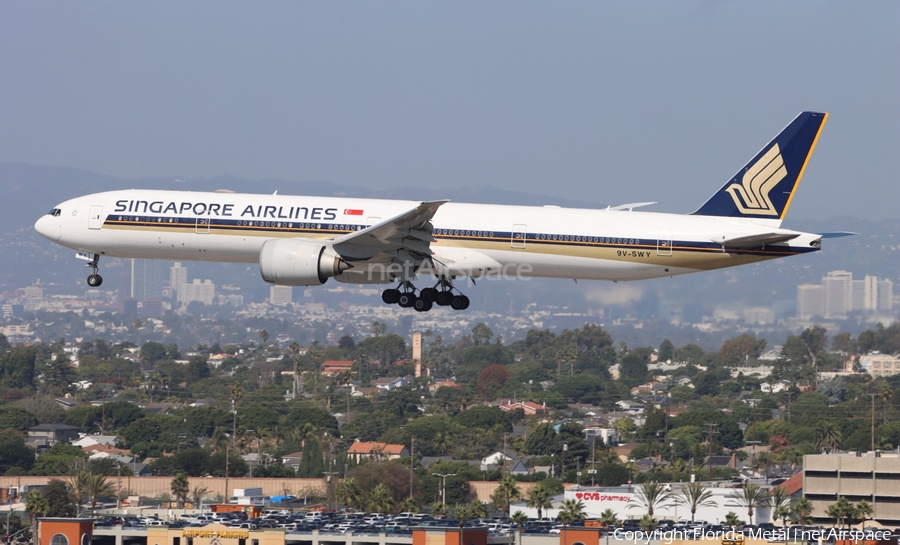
471, 239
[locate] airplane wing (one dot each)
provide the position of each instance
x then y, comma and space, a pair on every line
630, 206
749, 241
410, 231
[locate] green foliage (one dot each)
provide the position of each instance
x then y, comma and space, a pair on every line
152, 352
542, 441
16, 418
61, 501
482, 417
14, 453
17, 368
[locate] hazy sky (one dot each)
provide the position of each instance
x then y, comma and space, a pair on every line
611, 102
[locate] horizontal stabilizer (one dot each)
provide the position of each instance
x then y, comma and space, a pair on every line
631, 206
750, 241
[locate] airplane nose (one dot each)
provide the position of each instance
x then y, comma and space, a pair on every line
44, 226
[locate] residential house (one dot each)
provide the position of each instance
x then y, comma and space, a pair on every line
387, 384
364, 450
96, 440
336, 367
292, 460
51, 434
434, 386
630, 407
529, 407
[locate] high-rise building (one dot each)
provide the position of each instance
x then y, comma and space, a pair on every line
205, 292
147, 278
885, 295
810, 301
281, 295
177, 277
838, 294
870, 294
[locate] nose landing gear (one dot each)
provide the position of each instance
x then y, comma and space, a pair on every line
94, 279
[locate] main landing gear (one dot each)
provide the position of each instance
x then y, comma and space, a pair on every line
94, 279
441, 294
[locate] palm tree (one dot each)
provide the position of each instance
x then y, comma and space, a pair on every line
36, 506
197, 495
731, 519
380, 499
828, 436
781, 505
539, 498
571, 511
93, 486
478, 509
753, 496
842, 511
647, 524
695, 495
519, 518
652, 495
409, 505
801, 513
608, 518
507, 491
180, 488
349, 493
864, 510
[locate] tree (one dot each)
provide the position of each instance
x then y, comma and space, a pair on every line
572, 510
60, 500
828, 436
647, 524
753, 496
731, 519
695, 495
651, 495
180, 488
801, 512
842, 511
608, 518
151, 352
507, 491
666, 350
349, 493
380, 499
197, 495
491, 379
781, 505
481, 334
539, 498
519, 518
543, 441
36, 506
864, 510
93, 487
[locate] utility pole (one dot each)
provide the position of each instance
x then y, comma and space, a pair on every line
412, 451
873, 422
711, 430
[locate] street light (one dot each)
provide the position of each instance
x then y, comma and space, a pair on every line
444, 486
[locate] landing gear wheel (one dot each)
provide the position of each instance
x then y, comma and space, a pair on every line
94, 280
390, 296
428, 294
459, 302
422, 305
443, 298
407, 299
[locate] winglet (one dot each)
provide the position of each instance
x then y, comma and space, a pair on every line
765, 186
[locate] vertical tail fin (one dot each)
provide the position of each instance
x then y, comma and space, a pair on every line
765, 186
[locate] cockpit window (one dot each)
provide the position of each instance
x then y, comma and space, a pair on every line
55, 212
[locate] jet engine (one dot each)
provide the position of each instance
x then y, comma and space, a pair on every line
299, 262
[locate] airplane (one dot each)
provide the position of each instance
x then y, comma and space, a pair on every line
304, 241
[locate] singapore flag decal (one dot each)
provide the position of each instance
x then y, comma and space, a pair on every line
352, 212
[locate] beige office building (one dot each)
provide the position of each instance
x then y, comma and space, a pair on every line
874, 477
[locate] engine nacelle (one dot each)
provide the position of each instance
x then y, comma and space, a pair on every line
299, 262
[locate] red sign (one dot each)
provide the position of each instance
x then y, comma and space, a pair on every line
596, 496
352, 212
